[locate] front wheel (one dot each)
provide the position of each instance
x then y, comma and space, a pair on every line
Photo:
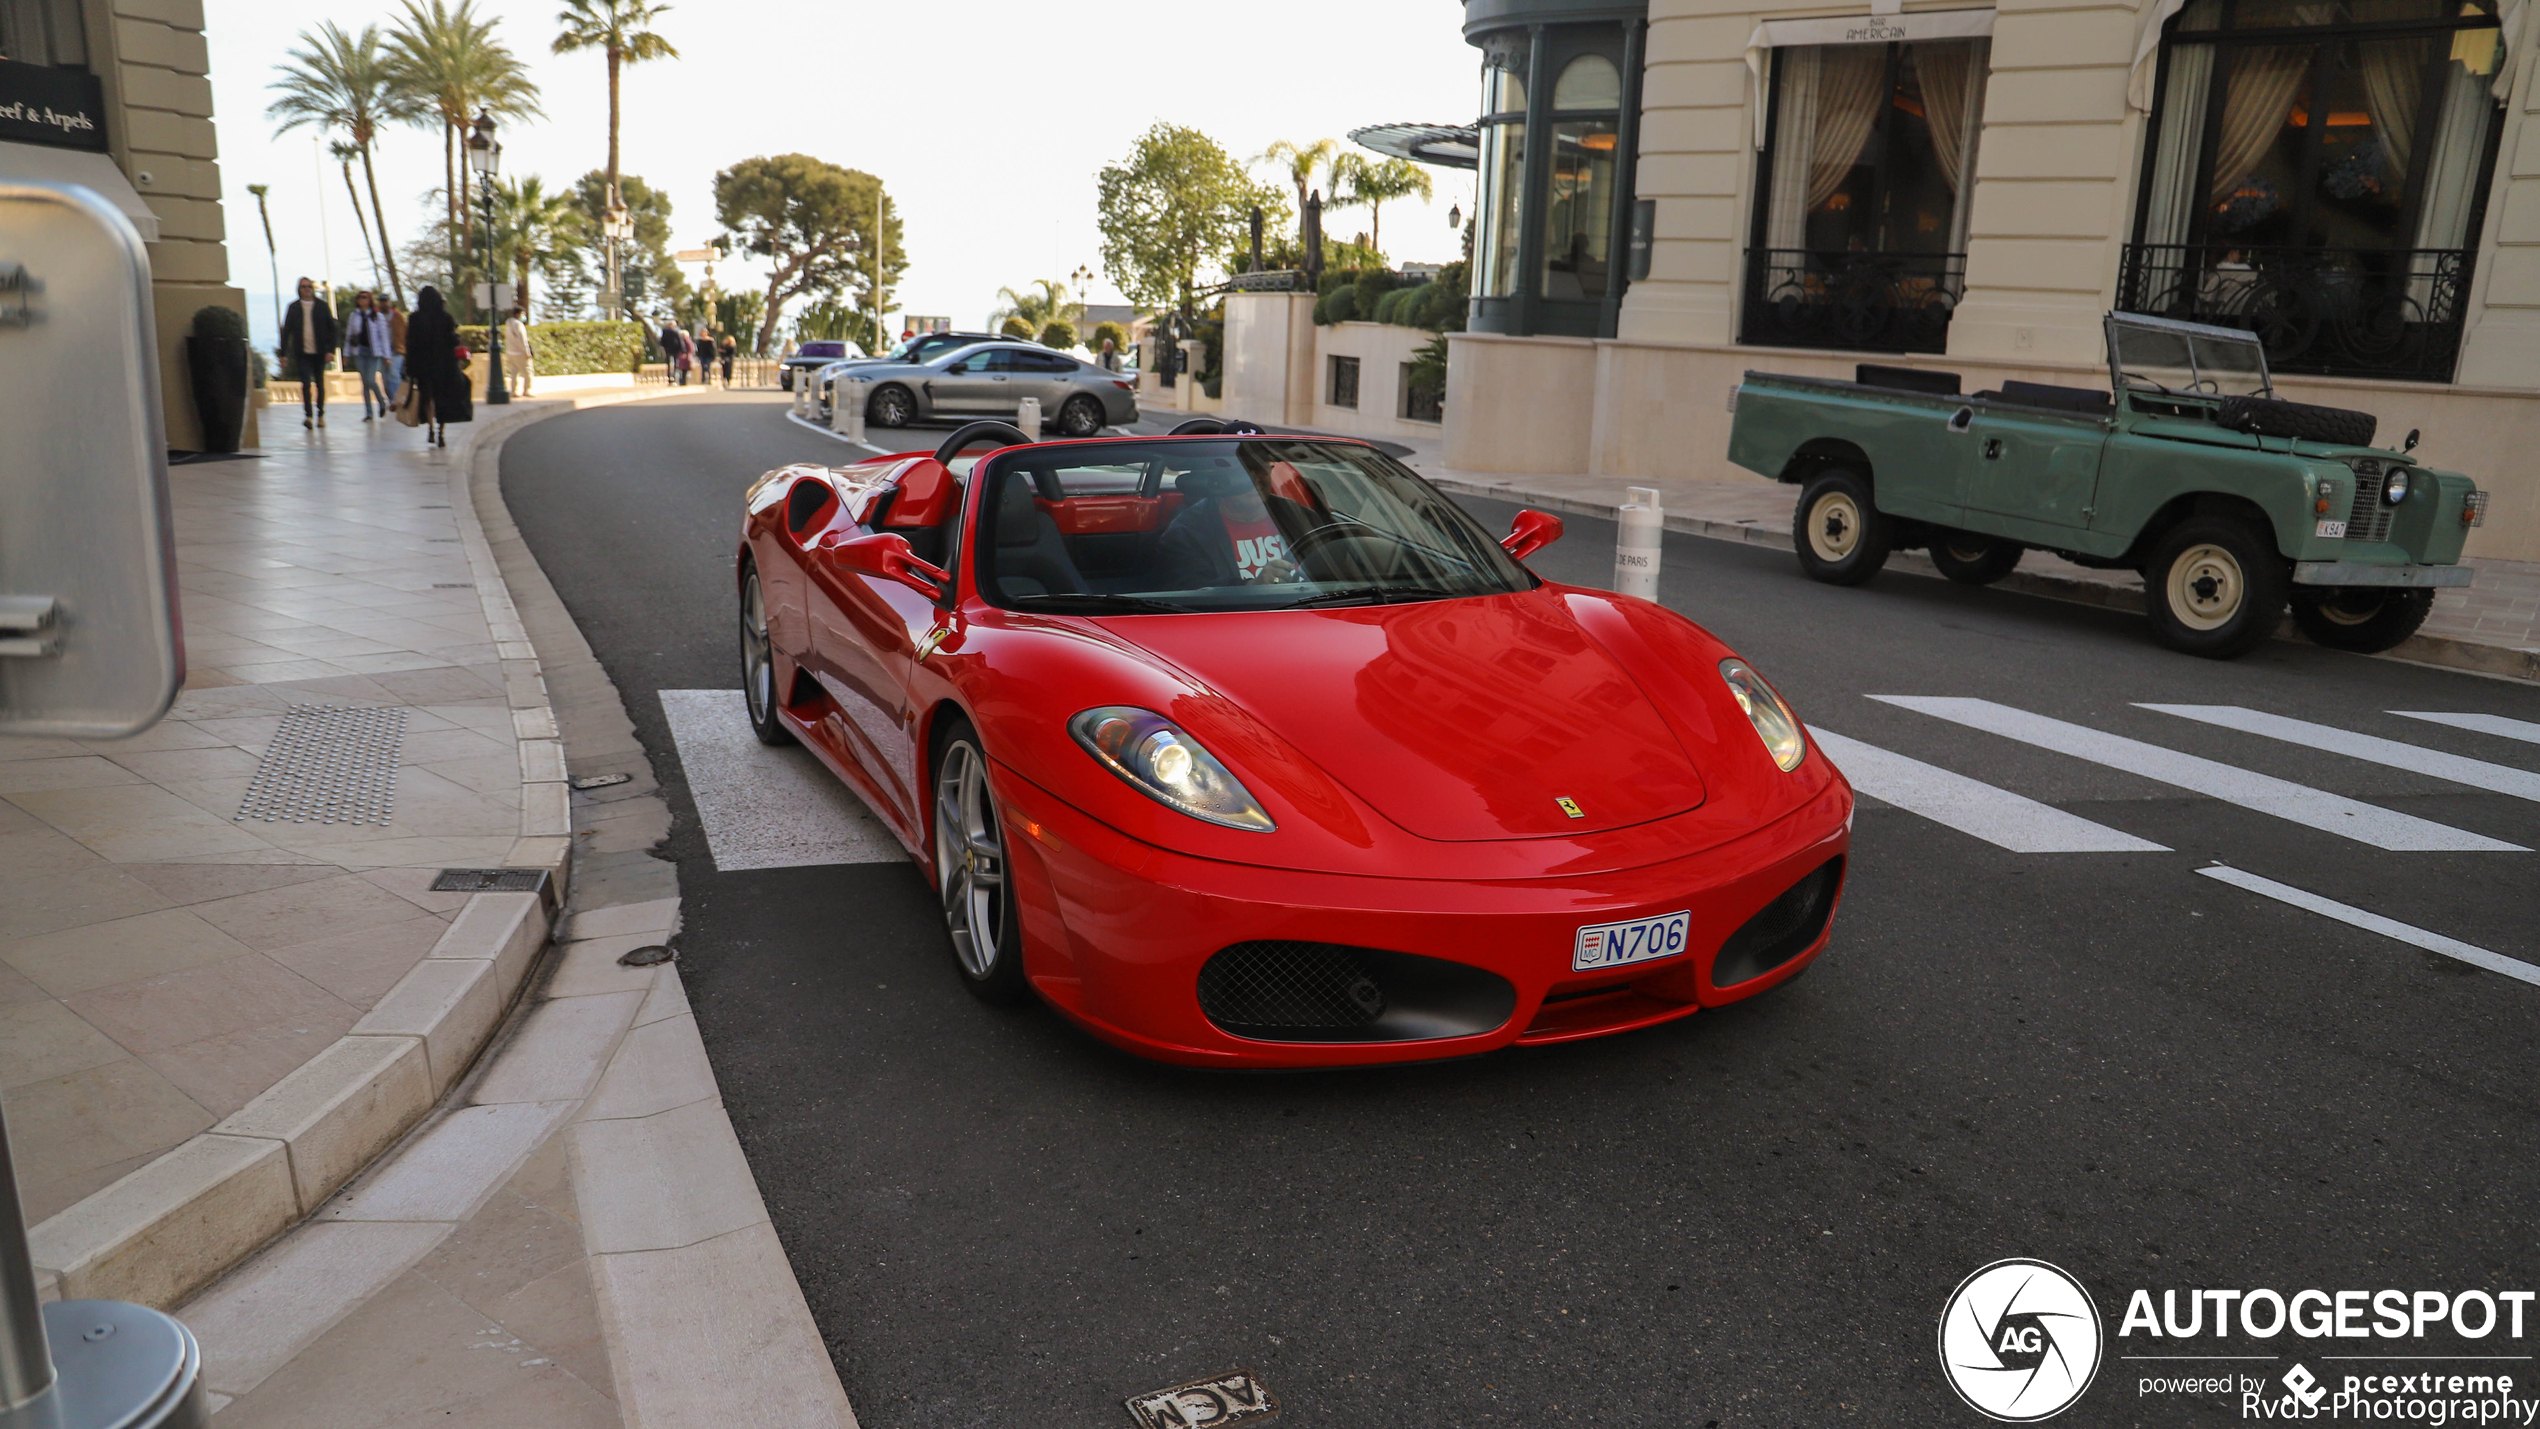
892, 407
1840, 536
971, 873
1081, 417
2215, 587
2365, 619
1973, 560
758, 666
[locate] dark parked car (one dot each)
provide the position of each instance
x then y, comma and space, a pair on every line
812, 356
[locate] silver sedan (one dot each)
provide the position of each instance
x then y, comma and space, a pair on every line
1078, 399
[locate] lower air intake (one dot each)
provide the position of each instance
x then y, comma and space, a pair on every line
1788, 926
1326, 992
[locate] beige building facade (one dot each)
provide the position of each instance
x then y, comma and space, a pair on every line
116, 95
1801, 188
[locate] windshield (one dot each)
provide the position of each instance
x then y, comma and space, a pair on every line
2158, 354
1158, 527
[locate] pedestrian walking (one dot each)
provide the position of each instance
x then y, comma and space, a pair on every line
434, 366
674, 353
396, 349
308, 339
366, 347
518, 367
729, 349
704, 346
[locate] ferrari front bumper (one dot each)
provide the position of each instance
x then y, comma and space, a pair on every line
1116, 933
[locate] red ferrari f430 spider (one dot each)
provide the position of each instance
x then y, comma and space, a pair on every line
1247, 750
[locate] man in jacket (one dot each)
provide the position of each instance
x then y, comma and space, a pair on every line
517, 366
309, 338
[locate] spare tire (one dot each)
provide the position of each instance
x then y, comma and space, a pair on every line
2266, 417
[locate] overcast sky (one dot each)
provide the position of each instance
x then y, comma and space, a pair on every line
987, 119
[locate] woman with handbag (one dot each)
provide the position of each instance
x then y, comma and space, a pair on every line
433, 368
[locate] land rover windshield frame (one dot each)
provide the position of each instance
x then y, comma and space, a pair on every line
2172, 356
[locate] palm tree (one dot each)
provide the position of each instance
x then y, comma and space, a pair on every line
1302, 161
533, 229
347, 83
618, 29
344, 154
447, 61
1377, 184
1047, 302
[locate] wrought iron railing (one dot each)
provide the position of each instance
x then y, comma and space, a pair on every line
1275, 280
2336, 312
1857, 302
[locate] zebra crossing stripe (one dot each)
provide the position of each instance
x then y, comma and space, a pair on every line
2478, 773
2497, 725
2283, 799
1972, 807
2374, 923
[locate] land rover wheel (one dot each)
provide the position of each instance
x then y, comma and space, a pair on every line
2362, 618
2215, 587
1840, 536
1973, 560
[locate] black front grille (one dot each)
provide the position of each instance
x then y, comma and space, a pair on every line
1326, 992
1783, 930
1289, 985
2369, 518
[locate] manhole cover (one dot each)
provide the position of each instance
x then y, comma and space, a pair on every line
601, 781
328, 764
1203, 1403
649, 955
491, 880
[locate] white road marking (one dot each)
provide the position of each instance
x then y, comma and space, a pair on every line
2297, 803
2477, 773
2375, 923
809, 425
2497, 725
1972, 807
762, 807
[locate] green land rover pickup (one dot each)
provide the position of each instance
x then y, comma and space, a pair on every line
2230, 502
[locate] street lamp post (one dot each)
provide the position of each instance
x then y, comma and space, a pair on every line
485, 156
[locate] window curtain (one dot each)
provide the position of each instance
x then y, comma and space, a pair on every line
1953, 73
1830, 98
2171, 203
1794, 145
2451, 166
2260, 98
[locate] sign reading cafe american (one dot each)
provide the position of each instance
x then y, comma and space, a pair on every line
46, 104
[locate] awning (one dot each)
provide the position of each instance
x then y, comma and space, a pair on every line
1885, 24
78, 166
2147, 50
1449, 146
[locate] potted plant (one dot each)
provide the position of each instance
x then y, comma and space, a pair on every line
216, 358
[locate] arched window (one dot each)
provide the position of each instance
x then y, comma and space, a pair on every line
1555, 170
2315, 171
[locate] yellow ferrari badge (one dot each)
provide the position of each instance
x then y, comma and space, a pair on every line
1570, 806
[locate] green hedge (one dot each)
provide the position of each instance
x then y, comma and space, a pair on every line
573, 347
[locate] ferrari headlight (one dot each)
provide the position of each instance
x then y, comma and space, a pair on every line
1168, 766
1773, 721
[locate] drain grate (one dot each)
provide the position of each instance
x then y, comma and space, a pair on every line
491, 880
329, 764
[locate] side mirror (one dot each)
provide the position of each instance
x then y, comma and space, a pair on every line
889, 558
2411, 443
1531, 532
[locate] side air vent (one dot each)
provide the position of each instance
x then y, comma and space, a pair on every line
1327, 992
1787, 927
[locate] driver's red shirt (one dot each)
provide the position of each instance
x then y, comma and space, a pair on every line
1257, 544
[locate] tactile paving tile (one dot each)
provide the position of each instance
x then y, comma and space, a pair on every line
329, 764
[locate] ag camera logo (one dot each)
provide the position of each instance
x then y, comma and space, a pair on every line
2020, 1341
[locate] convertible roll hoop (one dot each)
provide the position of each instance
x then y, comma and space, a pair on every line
1006, 433
1213, 427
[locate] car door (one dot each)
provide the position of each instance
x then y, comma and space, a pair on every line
2030, 473
1049, 376
867, 633
970, 386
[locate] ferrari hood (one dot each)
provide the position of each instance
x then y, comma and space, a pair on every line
1487, 718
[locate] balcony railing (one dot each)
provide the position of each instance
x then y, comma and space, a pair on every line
2335, 312
1856, 302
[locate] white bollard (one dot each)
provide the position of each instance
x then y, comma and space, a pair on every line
1027, 415
802, 394
1636, 543
842, 409
857, 398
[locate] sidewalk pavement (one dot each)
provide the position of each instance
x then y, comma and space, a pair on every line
209, 1023
2492, 626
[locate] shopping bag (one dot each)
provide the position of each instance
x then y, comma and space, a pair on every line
410, 405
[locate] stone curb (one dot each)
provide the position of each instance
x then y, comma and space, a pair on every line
168, 1229
2442, 651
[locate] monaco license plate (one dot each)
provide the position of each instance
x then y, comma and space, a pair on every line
1612, 945
2331, 531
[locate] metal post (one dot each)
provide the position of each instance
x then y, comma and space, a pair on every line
1256, 238
496, 394
26, 1368
1637, 540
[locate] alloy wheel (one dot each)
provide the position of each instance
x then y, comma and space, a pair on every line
969, 859
892, 408
1081, 418
758, 666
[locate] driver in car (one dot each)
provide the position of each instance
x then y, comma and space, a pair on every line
1228, 533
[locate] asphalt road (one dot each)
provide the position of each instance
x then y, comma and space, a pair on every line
1751, 1217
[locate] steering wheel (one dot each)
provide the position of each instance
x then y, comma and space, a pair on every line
1307, 546
1006, 434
